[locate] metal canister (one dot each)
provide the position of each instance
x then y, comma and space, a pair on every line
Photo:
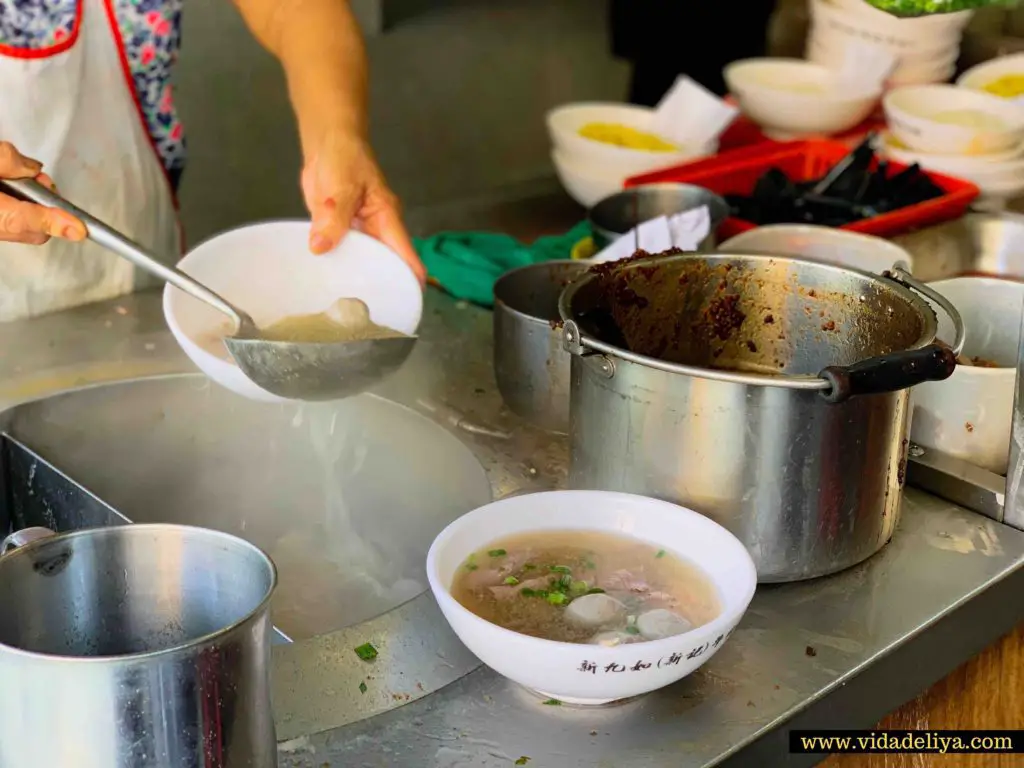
768, 393
137, 646
530, 364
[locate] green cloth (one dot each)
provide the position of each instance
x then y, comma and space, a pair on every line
467, 264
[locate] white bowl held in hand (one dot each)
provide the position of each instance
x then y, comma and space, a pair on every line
969, 414
945, 119
790, 97
825, 244
577, 673
267, 270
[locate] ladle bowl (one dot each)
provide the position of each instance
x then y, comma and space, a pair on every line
272, 369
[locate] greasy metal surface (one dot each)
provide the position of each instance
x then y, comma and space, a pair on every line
136, 647
875, 629
531, 366
765, 315
953, 479
345, 496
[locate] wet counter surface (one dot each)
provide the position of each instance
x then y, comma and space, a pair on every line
837, 652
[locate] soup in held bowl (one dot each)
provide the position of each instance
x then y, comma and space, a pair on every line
588, 597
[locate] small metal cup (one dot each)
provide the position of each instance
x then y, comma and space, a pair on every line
135, 646
618, 214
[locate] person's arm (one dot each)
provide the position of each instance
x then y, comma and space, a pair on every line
22, 222
319, 44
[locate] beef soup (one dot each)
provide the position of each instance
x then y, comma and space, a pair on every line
585, 587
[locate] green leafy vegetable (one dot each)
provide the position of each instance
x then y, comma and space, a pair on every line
632, 630
497, 553
362, 687
595, 591
561, 569
557, 598
366, 652
527, 592
511, 580
522, 760
578, 588
661, 553
933, 7
552, 703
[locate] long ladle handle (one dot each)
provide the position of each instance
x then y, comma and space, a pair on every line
105, 235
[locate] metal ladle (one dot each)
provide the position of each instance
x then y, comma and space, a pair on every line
294, 370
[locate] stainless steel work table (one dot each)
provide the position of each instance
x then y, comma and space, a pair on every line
835, 652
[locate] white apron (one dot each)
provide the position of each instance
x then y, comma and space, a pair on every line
74, 110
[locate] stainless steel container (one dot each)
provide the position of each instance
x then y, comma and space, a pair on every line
769, 393
619, 213
530, 362
138, 646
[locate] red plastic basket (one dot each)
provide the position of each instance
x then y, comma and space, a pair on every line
736, 173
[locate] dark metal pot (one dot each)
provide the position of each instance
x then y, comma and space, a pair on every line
530, 363
767, 392
619, 213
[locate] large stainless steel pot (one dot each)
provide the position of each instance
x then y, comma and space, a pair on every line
769, 393
138, 646
530, 363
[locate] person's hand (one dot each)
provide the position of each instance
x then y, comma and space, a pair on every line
344, 188
22, 222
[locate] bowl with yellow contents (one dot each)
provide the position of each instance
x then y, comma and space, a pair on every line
589, 597
615, 139
947, 119
1002, 77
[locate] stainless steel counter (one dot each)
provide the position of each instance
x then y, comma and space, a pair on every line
836, 652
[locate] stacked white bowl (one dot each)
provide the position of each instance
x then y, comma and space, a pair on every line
592, 170
958, 132
792, 98
926, 47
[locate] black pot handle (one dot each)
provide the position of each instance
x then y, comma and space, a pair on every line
898, 370
889, 373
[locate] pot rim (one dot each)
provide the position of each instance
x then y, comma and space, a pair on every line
784, 381
584, 266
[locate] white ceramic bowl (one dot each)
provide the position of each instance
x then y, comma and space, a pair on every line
563, 671
923, 26
901, 36
940, 66
910, 110
565, 122
586, 184
825, 244
267, 270
969, 414
766, 90
994, 175
977, 77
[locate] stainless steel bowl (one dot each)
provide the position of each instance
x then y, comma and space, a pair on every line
530, 364
618, 214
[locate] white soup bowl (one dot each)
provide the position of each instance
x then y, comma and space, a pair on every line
592, 674
267, 270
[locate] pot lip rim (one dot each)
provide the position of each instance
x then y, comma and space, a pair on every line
807, 382
555, 323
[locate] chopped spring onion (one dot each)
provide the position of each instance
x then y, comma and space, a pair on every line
366, 652
511, 581
497, 553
